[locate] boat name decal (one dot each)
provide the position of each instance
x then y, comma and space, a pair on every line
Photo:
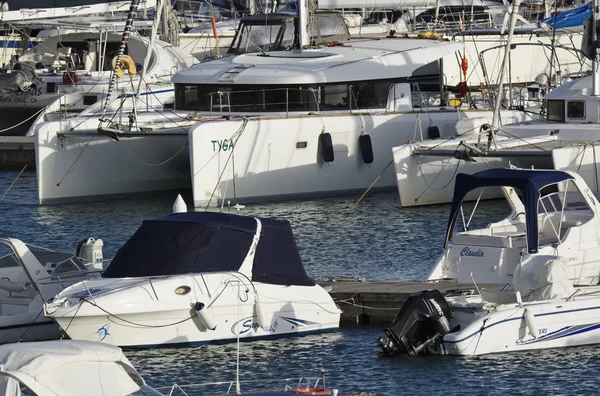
247, 324
30, 95
222, 145
470, 253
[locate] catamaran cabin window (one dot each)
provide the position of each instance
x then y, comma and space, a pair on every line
252, 98
576, 109
369, 95
556, 110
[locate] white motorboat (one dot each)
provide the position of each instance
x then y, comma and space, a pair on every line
30, 276
194, 278
93, 368
545, 252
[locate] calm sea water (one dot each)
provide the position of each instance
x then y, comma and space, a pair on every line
377, 241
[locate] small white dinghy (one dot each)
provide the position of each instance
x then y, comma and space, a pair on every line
57, 368
548, 253
195, 278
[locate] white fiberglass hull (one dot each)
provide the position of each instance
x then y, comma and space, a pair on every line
281, 157
89, 165
27, 326
558, 323
131, 317
429, 179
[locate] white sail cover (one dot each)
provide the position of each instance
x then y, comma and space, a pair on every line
56, 368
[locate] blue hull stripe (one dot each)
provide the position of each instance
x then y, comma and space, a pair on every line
520, 318
230, 340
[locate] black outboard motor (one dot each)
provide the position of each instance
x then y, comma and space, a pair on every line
422, 321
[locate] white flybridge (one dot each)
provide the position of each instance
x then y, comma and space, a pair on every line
544, 256
196, 278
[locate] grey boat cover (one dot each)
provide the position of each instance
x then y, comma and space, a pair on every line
17, 81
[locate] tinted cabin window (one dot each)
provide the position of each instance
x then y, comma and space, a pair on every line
370, 95
334, 97
252, 98
576, 109
556, 110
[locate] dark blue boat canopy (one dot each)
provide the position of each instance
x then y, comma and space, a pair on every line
527, 182
195, 242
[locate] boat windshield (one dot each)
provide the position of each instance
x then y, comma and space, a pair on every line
264, 37
277, 32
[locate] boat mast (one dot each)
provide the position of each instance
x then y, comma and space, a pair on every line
303, 38
497, 103
595, 70
120, 53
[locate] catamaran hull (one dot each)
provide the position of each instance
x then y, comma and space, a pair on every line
91, 166
284, 157
30, 326
428, 179
559, 324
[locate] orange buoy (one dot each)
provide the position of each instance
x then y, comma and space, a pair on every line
311, 391
465, 67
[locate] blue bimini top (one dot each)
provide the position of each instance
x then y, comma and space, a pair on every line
198, 242
527, 182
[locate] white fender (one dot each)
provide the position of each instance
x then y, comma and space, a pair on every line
530, 321
205, 315
15, 287
261, 314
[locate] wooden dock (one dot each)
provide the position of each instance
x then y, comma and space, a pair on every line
16, 152
378, 302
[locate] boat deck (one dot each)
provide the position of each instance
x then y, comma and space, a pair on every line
378, 302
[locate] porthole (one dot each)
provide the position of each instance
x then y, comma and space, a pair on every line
181, 290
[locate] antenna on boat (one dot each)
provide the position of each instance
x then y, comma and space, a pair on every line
475, 283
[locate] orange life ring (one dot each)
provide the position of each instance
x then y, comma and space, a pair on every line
311, 391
